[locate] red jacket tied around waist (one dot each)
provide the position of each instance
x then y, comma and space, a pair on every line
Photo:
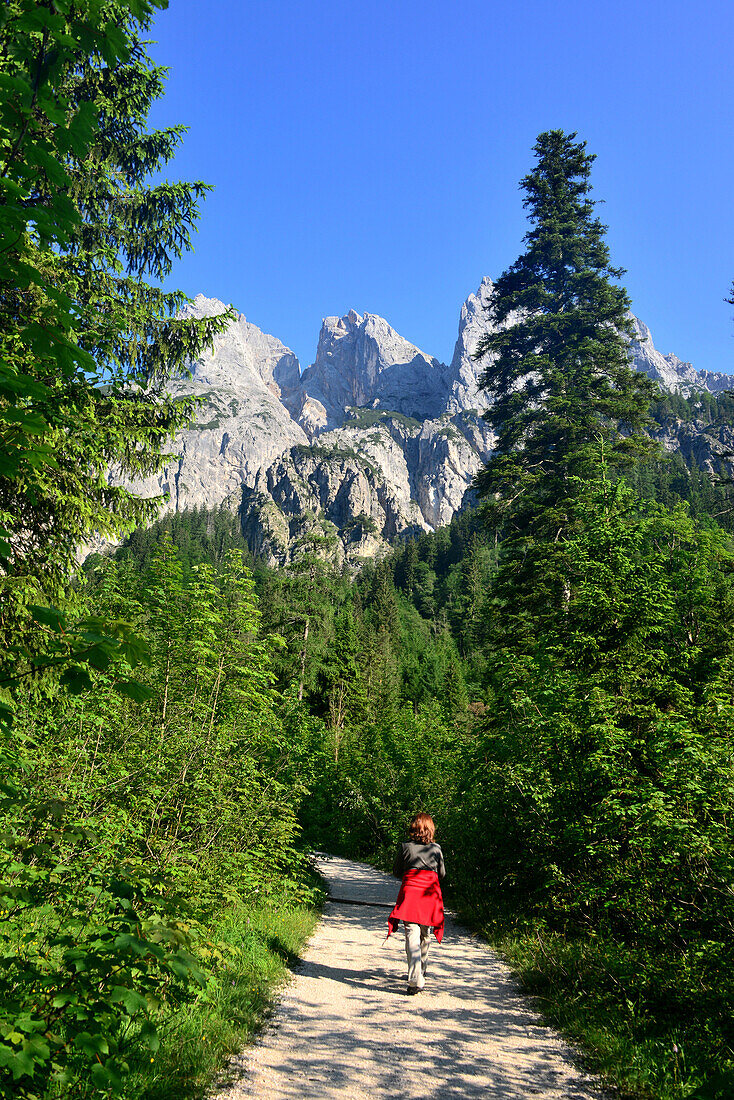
419, 902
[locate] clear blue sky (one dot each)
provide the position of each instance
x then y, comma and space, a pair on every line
367, 155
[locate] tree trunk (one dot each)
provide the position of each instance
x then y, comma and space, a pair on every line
303, 661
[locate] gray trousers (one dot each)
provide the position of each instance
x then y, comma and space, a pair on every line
417, 942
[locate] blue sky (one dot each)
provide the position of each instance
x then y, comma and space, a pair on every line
367, 155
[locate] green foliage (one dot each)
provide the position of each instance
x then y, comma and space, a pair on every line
558, 360
91, 943
670, 478
200, 536
95, 939
131, 816
86, 344
606, 718
362, 522
702, 407
332, 452
299, 603
385, 770
361, 417
258, 942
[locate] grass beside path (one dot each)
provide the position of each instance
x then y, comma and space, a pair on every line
260, 943
646, 1023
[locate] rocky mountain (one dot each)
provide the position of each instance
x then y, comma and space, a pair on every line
246, 382
465, 392
374, 440
670, 371
363, 362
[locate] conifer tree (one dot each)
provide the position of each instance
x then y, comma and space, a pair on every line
557, 359
87, 338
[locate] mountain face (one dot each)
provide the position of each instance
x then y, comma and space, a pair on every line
670, 371
362, 361
465, 392
373, 441
243, 423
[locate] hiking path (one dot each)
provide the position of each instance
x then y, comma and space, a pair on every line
345, 1027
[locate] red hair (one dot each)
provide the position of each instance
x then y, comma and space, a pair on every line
421, 829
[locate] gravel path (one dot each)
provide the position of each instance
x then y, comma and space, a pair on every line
346, 1028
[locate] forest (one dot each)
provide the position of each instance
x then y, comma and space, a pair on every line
550, 674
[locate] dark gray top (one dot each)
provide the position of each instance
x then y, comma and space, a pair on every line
412, 856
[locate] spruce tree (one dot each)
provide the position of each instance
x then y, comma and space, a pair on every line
88, 340
557, 358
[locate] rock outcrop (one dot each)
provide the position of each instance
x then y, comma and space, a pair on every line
372, 441
242, 423
465, 372
362, 361
670, 371
702, 445
326, 500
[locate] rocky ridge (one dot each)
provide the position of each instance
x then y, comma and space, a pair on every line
670, 371
373, 441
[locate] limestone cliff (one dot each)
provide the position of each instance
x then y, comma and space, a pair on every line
671, 372
375, 439
242, 423
362, 361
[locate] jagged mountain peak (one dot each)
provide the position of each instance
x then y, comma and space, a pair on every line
341, 326
465, 372
374, 439
389, 347
362, 361
202, 307
671, 372
243, 357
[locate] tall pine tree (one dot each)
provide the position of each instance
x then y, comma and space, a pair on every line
557, 357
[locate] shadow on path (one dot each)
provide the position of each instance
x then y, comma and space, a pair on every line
346, 1028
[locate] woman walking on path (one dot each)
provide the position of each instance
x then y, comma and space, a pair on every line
419, 863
